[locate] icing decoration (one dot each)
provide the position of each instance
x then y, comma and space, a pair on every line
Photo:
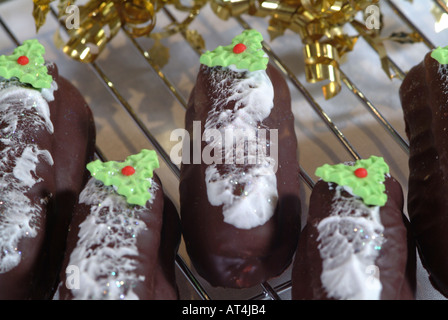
128, 171
370, 188
23, 111
248, 195
27, 64
136, 186
239, 48
350, 240
245, 52
361, 173
440, 54
23, 60
106, 251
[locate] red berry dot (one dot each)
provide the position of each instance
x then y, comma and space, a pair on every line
361, 173
128, 171
23, 60
239, 48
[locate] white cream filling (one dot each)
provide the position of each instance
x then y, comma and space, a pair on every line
106, 252
248, 197
18, 217
350, 239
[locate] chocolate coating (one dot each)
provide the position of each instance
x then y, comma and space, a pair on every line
71, 146
156, 244
221, 253
424, 99
396, 259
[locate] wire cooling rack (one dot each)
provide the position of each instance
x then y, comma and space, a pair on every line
137, 104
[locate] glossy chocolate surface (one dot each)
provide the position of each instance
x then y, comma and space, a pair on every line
396, 259
223, 254
156, 244
71, 146
424, 98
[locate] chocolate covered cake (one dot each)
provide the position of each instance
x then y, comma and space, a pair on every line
355, 244
424, 98
123, 237
239, 183
47, 137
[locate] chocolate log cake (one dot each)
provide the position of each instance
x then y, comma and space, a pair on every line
355, 244
47, 137
123, 236
239, 183
424, 99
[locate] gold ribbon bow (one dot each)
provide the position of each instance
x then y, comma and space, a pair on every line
319, 24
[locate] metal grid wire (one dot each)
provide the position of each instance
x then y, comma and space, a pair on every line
191, 285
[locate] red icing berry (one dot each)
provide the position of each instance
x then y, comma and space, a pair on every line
239, 48
128, 171
361, 173
23, 60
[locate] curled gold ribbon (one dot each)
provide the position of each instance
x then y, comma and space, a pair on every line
225, 9
40, 11
98, 21
321, 64
320, 26
137, 16
319, 23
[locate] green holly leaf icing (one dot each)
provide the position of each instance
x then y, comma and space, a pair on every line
370, 189
135, 187
440, 54
34, 72
252, 58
